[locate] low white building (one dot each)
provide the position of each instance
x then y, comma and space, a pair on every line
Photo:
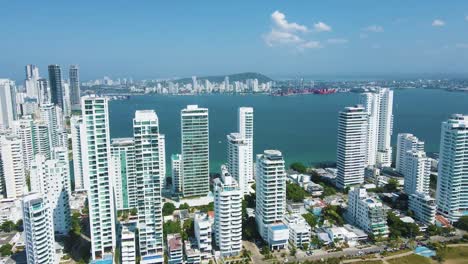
278, 236
128, 245
203, 231
192, 253
367, 212
299, 230
174, 249
314, 189
341, 235
10, 210
423, 206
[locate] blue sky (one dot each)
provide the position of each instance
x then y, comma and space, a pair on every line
152, 39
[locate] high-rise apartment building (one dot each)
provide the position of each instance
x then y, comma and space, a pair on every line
123, 169
378, 105
51, 115
228, 214
417, 171
176, 160
195, 151
45, 96
38, 230
74, 77
452, 193
271, 198
41, 138
406, 142
162, 159
14, 172
31, 81
148, 175
246, 130
351, 146
51, 179
95, 146
76, 123
24, 129
7, 103
238, 164
56, 85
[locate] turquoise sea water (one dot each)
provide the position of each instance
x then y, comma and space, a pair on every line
302, 127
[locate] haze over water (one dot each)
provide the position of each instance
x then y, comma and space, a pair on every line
303, 127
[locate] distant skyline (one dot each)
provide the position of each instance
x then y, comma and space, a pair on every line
152, 39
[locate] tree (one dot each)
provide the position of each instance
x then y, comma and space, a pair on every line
392, 185
305, 246
265, 251
184, 206
311, 219
168, 209
299, 167
19, 225
293, 251
171, 227
295, 193
462, 223
134, 211
5, 250
8, 226
188, 229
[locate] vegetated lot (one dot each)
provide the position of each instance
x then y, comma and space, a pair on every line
456, 255
411, 259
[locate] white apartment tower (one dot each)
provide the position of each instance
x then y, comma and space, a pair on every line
14, 171
246, 130
31, 81
238, 163
50, 178
228, 214
38, 230
7, 103
195, 151
95, 146
162, 159
367, 212
176, 159
24, 129
406, 142
76, 123
41, 139
51, 115
149, 178
123, 168
270, 190
452, 190
378, 105
417, 172
351, 146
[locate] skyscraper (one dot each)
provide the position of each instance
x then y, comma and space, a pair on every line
148, 175
44, 91
95, 146
246, 129
271, 198
7, 103
417, 172
452, 193
378, 105
162, 159
52, 116
123, 167
406, 142
38, 230
176, 159
41, 138
76, 123
31, 81
51, 179
195, 151
55, 84
237, 156
24, 129
74, 77
351, 146
228, 214
14, 172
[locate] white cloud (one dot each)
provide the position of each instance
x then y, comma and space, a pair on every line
376, 46
438, 23
291, 34
322, 27
275, 37
374, 29
310, 45
461, 45
279, 19
337, 41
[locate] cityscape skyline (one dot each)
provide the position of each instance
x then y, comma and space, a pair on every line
304, 39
